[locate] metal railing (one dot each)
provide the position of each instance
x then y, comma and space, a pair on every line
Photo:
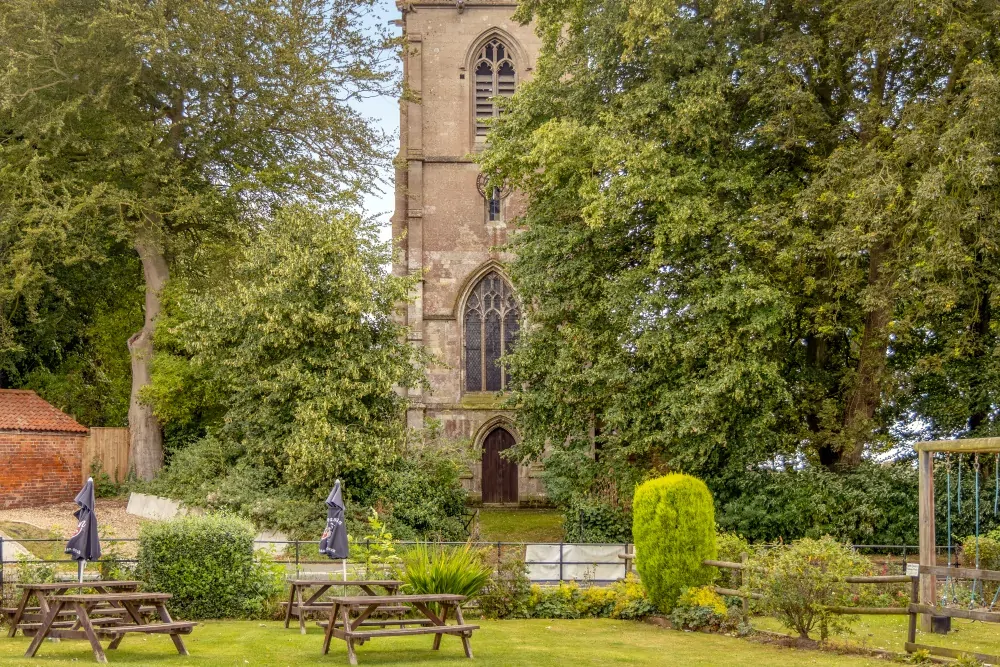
303, 555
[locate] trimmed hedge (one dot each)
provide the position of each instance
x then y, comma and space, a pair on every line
590, 520
207, 563
674, 528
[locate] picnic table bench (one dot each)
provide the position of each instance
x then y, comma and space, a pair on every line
85, 627
25, 618
301, 601
341, 625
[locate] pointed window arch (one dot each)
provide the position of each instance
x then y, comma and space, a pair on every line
492, 321
495, 74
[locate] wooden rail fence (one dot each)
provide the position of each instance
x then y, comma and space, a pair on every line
109, 446
913, 609
750, 595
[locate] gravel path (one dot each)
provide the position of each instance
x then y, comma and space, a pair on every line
111, 517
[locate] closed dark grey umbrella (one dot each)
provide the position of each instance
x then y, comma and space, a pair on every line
334, 540
85, 544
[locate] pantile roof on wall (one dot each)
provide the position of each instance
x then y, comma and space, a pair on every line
24, 410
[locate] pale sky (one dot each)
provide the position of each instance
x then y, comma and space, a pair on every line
385, 112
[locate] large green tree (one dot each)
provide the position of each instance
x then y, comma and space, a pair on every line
287, 354
753, 228
159, 124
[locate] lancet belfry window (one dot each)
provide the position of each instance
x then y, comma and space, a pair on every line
495, 75
492, 320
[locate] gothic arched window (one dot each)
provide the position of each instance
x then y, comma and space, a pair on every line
495, 75
492, 320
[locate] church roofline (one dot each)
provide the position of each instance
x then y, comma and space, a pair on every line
409, 5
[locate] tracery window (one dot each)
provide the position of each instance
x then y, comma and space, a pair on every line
495, 75
492, 320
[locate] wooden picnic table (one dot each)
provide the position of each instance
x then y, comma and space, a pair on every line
358, 630
86, 627
23, 614
299, 605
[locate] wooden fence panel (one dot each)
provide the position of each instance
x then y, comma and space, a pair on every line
110, 447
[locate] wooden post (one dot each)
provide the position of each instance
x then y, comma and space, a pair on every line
744, 587
928, 552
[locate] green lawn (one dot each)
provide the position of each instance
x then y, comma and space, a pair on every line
889, 633
571, 643
527, 525
17, 530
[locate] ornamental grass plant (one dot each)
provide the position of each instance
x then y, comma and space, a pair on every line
434, 568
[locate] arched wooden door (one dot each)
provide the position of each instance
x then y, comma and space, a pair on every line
499, 474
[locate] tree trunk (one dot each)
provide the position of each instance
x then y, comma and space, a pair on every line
146, 437
980, 395
866, 394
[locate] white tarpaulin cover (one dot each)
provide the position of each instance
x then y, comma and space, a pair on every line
596, 562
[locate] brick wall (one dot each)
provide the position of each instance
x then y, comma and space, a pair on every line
39, 468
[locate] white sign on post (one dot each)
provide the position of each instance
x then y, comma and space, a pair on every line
913, 569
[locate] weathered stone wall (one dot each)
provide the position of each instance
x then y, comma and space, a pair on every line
440, 217
39, 468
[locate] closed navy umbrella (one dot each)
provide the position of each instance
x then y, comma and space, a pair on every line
334, 540
85, 544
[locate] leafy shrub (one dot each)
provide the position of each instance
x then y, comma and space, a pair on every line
554, 601
989, 559
419, 493
632, 602
506, 593
730, 547
701, 608
674, 529
626, 600
684, 617
113, 565
800, 581
30, 572
871, 504
378, 550
434, 568
208, 564
702, 596
104, 486
595, 521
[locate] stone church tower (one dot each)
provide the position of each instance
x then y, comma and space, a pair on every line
459, 55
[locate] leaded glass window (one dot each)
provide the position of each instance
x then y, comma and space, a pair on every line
492, 320
494, 75
494, 205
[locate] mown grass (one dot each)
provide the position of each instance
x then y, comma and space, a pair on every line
520, 525
498, 643
889, 633
17, 530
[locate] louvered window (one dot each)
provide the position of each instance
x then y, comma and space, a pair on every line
492, 320
495, 75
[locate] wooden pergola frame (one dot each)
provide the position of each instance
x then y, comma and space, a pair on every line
929, 569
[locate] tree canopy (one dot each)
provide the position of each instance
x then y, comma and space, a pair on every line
287, 357
753, 229
158, 126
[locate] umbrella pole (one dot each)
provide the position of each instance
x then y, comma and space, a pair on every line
343, 564
79, 571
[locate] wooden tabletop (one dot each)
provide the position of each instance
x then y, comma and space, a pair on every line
394, 599
349, 582
113, 597
76, 584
